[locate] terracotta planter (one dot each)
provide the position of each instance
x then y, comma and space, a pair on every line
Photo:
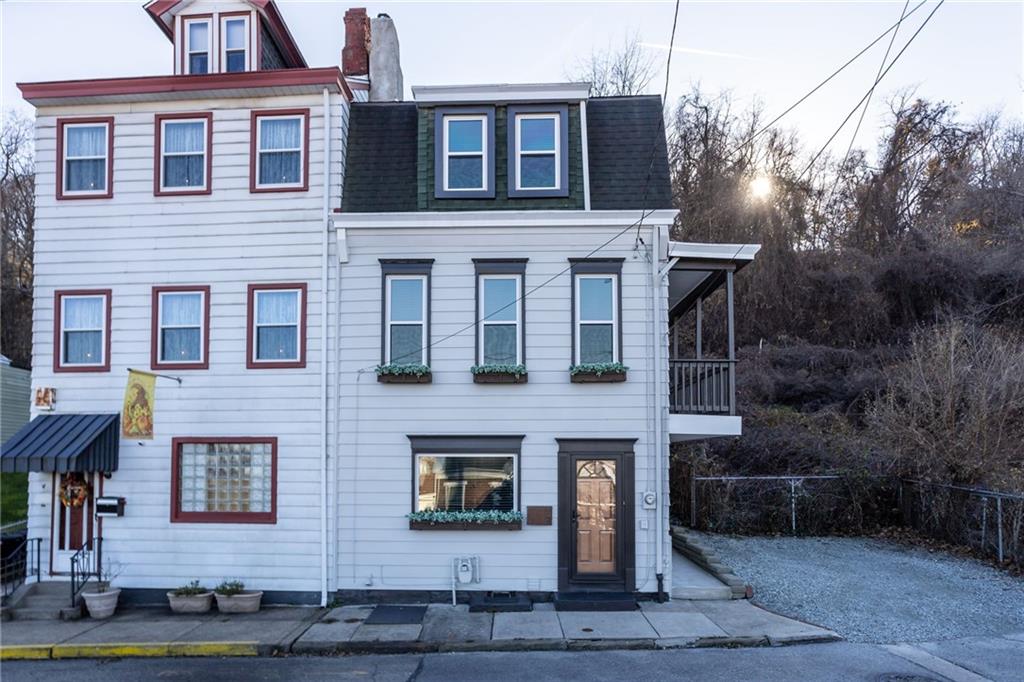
405, 378
101, 604
595, 378
499, 378
244, 602
190, 603
463, 525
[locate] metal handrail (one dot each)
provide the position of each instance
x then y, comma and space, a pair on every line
26, 563
702, 386
85, 564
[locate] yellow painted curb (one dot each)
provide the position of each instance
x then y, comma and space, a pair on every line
127, 650
21, 652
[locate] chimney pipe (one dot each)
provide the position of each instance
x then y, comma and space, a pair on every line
386, 84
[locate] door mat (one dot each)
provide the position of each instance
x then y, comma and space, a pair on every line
388, 614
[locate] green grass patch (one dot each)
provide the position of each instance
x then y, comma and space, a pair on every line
13, 498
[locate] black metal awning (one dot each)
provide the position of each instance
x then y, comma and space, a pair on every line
62, 443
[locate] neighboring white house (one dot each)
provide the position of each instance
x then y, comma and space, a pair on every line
372, 308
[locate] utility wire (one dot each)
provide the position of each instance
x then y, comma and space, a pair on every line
820, 85
644, 213
871, 89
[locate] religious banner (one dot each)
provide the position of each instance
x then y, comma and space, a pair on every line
139, 399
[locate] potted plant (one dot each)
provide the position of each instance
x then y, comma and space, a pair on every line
440, 519
191, 598
499, 374
103, 602
597, 372
394, 373
232, 597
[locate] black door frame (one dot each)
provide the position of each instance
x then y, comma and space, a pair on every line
621, 450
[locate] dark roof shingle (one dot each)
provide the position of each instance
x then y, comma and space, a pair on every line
381, 162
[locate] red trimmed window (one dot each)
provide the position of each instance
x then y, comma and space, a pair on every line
224, 480
279, 151
276, 321
85, 158
180, 328
182, 153
81, 330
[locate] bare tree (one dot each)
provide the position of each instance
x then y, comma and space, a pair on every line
624, 70
17, 219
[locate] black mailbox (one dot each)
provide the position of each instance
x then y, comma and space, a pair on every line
109, 506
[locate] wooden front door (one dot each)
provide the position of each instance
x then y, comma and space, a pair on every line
72, 526
596, 517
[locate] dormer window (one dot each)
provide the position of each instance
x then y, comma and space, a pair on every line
538, 151
198, 46
234, 41
464, 153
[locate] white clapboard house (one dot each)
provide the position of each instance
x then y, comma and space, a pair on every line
404, 347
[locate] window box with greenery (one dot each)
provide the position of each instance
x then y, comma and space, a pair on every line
499, 374
191, 598
434, 519
598, 372
393, 373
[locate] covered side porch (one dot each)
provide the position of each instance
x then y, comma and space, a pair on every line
702, 377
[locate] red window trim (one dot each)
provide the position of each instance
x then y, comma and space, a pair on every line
254, 132
213, 60
61, 122
178, 516
249, 54
158, 154
58, 351
154, 346
250, 327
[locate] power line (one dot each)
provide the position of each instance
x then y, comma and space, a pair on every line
823, 83
871, 89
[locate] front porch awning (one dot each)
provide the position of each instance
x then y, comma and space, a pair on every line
699, 269
63, 443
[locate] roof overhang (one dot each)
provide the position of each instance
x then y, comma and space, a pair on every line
504, 92
164, 11
442, 219
182, 87
699, 269
63, 443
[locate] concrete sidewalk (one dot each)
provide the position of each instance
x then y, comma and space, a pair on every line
281, 630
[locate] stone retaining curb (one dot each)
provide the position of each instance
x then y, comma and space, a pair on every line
710, 562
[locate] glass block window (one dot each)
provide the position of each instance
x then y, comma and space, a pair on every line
277, 334
225, 479
597, 338
183, 154
82, 328
405, 333
235, 37
280, 150
466, 482
86, 148
500, 323
180, 327
197, 49
465, 153
537, 151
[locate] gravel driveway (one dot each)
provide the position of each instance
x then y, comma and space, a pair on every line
873, 590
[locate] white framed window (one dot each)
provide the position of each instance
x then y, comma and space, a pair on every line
280, 150
86, 162
234, 43
278, 321
500, 328
180, 327
464, 152
82, 319
597, 318
184, 155
538, 152
405, 318
198, 46
467, 482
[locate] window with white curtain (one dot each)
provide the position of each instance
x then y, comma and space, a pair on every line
183, 154
198, 39
596, 306
83, 330
235, 44
500, 337
86, 146
280, 150
276, 325
405, 336
181, 321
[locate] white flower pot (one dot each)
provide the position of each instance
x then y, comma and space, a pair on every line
190, 603
101, 604
245, 602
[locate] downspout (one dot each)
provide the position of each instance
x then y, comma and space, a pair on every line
656, 279
323, 347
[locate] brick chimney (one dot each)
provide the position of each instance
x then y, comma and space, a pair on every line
355, 56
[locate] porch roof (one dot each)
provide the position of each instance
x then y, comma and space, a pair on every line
63, 443
697, 270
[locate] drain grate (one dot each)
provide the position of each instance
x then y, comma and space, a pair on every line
386, 614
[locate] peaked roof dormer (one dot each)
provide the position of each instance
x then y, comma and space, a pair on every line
219, 37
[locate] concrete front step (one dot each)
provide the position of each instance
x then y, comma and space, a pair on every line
31, 613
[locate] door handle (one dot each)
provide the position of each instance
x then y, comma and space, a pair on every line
574, 517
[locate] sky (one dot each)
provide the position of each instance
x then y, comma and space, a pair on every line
971, 54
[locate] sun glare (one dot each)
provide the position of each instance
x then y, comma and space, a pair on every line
761, 187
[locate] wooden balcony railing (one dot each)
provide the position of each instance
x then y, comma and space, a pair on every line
702, 387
